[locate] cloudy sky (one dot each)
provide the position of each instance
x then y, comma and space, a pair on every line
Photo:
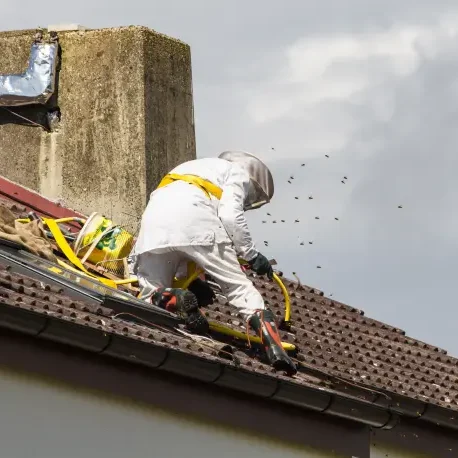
374, 85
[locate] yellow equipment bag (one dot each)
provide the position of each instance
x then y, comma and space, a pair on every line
101, 242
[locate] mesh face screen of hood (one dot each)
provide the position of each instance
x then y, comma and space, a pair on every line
262, 189
256, 197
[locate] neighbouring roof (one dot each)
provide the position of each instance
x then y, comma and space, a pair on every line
351, 366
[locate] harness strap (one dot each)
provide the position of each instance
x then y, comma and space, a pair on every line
209, 188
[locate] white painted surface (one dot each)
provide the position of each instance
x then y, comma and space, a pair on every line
42, 419
66, 27
379, 450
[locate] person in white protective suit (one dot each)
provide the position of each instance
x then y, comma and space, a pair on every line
197, 214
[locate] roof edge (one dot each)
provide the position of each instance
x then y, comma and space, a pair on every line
217, 371
32, 199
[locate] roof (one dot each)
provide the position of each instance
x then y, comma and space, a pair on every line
350, 365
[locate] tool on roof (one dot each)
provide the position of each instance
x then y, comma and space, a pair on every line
69, 253
32, 216
98, 241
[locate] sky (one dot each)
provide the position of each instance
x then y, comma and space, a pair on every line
374, 86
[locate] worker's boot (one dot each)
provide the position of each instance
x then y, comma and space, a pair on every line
263, 322
184, 304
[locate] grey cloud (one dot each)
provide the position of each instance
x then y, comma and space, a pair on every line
397, 264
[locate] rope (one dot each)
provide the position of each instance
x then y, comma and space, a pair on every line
167, 330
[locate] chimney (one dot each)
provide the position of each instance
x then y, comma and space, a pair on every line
120, 117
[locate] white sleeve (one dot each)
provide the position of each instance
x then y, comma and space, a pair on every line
232, 215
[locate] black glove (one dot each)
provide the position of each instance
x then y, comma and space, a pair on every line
261, 265
203, 291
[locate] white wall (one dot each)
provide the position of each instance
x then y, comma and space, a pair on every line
43, 419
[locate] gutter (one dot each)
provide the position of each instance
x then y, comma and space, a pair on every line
420, 410
216, 371
379, 414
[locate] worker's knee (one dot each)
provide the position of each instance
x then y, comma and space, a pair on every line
147, 288
246, 298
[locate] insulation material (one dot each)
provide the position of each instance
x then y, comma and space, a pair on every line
30, 235
37, 83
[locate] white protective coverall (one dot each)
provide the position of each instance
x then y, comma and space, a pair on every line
182, 223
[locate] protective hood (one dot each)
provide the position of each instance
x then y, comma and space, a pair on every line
261, 182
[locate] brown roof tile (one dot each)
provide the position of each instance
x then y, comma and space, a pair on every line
337, 340
27, 293
359, 367
340, 341
18, 209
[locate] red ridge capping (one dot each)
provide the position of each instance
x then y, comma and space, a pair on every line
35, 201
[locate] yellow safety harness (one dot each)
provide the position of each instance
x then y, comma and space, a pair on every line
207, 186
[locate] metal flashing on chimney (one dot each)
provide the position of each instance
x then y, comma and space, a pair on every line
37, 83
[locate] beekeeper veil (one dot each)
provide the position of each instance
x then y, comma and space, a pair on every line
261, 182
